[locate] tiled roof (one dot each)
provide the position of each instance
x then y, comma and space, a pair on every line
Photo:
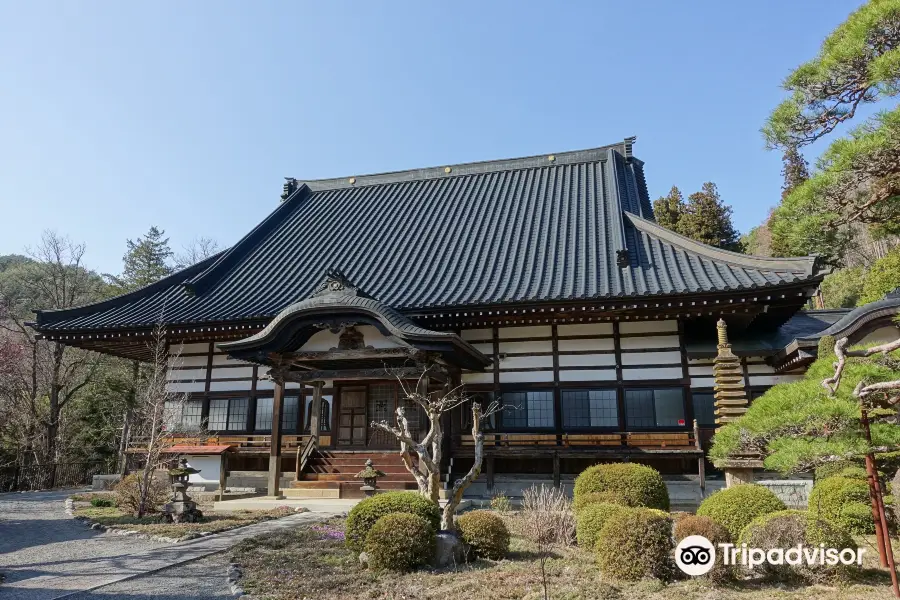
539, 229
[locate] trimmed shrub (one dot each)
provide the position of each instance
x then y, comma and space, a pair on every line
715, 533
501, 503
485, 532
857, 519
636, 543
734, 507
364, 515
830, 496
128, 493
102, 502
400, 542
634, 484
591, 519
785, 529
585, 500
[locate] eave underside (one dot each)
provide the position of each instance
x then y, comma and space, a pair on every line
762, 310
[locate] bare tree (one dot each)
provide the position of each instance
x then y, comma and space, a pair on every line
55, 278
547, 520
154, 419
200, 248
423, 458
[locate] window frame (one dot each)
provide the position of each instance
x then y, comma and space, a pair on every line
685, 412
506, 427
250, 404
581, 428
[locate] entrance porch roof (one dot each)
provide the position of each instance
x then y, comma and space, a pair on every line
339, 306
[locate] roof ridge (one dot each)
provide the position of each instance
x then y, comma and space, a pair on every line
807, 264
197, 284
470, 168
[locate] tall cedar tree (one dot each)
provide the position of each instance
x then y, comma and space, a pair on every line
668, 209
707, 219
795, 171
146, 261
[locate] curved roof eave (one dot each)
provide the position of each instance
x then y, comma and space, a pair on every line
808, 265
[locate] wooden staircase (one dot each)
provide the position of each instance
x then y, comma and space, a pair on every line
331, 474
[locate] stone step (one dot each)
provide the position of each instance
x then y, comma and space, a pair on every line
405, 476
353, 469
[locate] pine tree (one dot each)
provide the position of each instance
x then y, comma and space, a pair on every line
668, 209
145, 262
708, 220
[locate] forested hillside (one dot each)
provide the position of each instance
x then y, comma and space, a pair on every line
62, 404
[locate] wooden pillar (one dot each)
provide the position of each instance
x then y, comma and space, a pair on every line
556, 476
275, 445
490, 473
223, 475
315, 414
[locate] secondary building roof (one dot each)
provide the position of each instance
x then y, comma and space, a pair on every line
571, 226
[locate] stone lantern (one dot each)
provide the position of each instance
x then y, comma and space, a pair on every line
370, 476
182, 509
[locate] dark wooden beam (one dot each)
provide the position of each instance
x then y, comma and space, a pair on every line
358, 374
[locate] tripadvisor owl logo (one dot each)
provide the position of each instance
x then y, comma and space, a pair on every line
695, 555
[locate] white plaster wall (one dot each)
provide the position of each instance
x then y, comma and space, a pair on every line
586, 344
585, 329
506, 333
653, 341
881, 336
648, 326
588, 375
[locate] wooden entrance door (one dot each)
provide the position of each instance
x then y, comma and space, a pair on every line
352, 419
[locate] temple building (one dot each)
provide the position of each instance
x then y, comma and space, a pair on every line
543, 282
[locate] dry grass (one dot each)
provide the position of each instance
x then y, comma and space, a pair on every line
307, 562
115, 518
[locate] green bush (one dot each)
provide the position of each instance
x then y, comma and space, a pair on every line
636, 543
485, 532
400, 542
102, 502
785, 529
634, 484
363, 516
735, 507
715, 533
591, 519
856, 518
585, 500
830, 496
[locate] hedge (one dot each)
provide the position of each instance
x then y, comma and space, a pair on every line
400, 542
485, 533
636, 543
735, 507
363, 516
633, 484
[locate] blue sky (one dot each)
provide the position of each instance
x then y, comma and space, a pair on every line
115, 116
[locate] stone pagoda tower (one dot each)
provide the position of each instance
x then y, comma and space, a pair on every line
731, 391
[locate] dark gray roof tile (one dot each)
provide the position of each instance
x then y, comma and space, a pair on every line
512, 231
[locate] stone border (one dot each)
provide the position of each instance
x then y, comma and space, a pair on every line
233, 576
70, 510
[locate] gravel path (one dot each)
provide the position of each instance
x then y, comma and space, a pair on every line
47, 555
